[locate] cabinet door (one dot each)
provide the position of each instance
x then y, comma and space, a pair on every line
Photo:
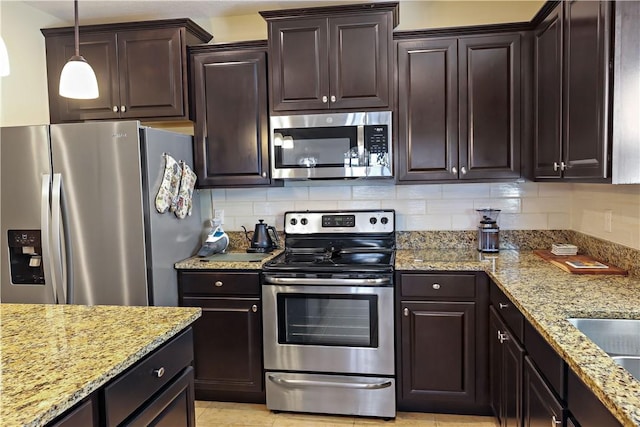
438, 352
83, 415
540, 408
506, 359
227, 344
231, 118
100, 51
547, 96
490, 106
299, 64
151, 73
586, 71
359, 61
427, 110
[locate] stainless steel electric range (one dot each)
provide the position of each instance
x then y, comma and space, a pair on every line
328, 315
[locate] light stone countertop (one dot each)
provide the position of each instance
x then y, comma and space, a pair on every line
53, 356
204, 263
547, 296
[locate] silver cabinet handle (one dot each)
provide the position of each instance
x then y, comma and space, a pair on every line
555, 166
115, 108
436, 286
563, 166
264, 174
254, 308
158, 373
324, 99
502, 306
502, 337
218, 283
123, 108
463, 170
454, 170
405, 312
555, 422
333, 98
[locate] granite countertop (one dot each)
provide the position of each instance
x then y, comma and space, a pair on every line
208, 263
547, 296
53, 356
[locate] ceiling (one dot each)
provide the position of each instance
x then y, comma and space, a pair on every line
103, 11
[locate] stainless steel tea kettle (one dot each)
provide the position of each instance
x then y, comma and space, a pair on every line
265, 238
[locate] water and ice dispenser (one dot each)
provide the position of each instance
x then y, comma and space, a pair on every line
25, 255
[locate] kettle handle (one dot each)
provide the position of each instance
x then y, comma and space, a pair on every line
274, 235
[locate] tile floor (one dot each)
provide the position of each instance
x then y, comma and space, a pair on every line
223, 414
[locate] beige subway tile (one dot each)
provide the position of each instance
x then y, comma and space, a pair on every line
559, 221
330, 193
505, 205
468, 191
460, 206
246, 194
430, 191
358, 204
288, 193
547, 204
272, 208
405, 207
311, 205
514, 189
373, 192
427, 222
523, 221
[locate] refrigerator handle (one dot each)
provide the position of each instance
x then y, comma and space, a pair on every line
45, 224
56, 234
66, 260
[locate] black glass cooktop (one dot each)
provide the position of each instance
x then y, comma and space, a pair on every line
344, 260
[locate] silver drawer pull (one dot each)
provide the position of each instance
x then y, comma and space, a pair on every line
436, 286
123, 108
502, 337
158, 372
115, 108
218, 283
254, 308
555, 422
502, 306
405, 312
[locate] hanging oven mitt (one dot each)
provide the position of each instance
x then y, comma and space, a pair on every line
185, 195
168, 192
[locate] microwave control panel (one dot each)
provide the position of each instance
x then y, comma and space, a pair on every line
375, 139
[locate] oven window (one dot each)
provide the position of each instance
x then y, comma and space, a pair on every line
328, 320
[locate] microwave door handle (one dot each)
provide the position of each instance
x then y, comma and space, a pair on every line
361, 147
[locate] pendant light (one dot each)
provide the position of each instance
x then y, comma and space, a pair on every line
4, 59
77, 79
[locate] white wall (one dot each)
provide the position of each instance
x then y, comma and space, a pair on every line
23, 94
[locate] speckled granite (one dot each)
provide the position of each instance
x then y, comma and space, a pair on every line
198, 263
53, 356
238, 241
467, 239
547, 296
619, 255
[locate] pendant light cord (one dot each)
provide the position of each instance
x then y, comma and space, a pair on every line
77, 30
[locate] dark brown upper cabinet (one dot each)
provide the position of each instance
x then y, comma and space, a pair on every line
459, 106
571, 92
331, 57
231, 120
141, 69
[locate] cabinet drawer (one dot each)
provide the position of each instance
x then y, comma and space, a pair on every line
548, 362
129, 391
214, 283
438, 285
507, 310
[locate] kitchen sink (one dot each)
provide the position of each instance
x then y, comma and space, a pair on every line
617, 337
630, 363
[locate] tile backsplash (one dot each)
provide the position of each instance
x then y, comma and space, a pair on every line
444, 207
524, 205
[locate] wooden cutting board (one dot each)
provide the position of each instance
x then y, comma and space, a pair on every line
560, 261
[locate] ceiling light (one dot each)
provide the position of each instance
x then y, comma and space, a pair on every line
77, 79
4, 59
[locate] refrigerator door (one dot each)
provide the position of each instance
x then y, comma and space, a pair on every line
169, 239
24, 186
102, 229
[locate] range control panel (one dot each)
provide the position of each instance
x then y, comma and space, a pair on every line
365, 221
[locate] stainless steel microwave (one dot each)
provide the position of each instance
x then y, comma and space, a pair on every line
336, 145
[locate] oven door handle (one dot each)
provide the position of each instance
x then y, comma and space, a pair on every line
380, 281
314, 383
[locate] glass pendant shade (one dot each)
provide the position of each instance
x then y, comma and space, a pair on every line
4, 59
78, 80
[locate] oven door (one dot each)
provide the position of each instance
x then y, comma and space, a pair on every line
328, 328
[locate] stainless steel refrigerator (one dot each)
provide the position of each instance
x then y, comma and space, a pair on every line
79, 223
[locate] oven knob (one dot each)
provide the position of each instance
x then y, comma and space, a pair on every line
373, 220
293, 221
304, 221
384, 220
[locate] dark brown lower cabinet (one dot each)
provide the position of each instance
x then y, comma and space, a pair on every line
83, 415
228, 335
442, 343
541, 407
586, 409
507, 357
